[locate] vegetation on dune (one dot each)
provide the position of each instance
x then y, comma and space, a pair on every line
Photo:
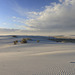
15, 42
63, 40
14, 36
38, 41
23, 41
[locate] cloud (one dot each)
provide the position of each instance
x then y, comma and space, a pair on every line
33, 15
60, 0
18, 9
56, 18
4, 23
14, 17
4, 31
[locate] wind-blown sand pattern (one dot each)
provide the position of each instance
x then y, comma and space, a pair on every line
43, 58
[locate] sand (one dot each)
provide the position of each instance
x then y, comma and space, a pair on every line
43, 58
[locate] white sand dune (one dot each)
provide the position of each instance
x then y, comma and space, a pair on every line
44, 58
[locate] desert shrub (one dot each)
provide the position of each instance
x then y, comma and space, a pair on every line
15, 42
38, 41
23, 41
14, 36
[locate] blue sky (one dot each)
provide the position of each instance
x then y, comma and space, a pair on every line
10, 8
37, 16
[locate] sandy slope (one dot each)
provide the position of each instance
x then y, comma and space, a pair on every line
44, 58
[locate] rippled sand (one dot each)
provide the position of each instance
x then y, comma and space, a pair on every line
36, 58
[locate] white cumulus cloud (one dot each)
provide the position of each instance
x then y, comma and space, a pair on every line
55, 18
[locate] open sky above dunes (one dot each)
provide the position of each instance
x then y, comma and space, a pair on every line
43, 17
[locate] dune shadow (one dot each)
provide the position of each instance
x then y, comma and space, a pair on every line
72, 62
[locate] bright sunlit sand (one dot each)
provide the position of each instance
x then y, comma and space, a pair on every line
32, 58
